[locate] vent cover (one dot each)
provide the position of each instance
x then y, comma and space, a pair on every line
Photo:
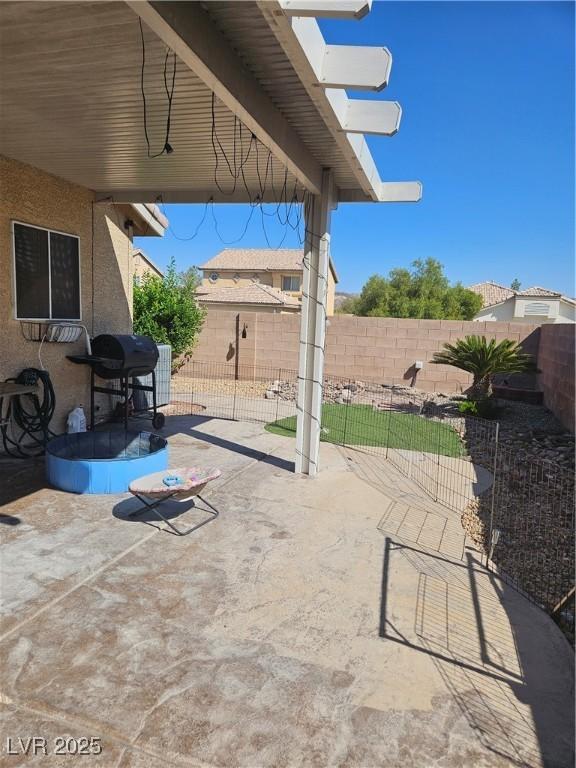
540, 308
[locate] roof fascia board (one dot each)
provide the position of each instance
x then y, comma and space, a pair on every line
188, 31
145, 195
149, 223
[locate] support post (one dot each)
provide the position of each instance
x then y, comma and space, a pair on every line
313, 325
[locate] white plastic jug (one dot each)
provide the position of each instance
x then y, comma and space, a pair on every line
76, 420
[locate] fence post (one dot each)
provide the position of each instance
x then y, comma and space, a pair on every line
346, 415
234, 400
437, 460
493, 495
278, 393
192, 392
389, 421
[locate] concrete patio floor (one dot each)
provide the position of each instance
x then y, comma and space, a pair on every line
337, 621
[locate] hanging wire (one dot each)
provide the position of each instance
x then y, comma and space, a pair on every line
166, 149
187, 238
237, 239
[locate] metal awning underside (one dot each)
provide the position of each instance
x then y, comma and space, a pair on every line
71, 102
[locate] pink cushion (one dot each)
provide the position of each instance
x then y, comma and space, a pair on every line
195, 478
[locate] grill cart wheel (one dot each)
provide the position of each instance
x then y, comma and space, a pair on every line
158, 420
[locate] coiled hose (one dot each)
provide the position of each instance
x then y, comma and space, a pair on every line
29, 416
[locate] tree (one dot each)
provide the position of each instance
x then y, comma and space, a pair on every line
515, 284
483, 359
191, 279
424, 292
166, 310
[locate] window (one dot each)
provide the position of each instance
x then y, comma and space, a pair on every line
236, 277
46, 274
213, 277
290, 283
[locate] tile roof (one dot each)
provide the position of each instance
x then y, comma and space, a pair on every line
260, 259
537, 290
255, 293
256, 258
492, 293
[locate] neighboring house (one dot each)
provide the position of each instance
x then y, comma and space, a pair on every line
277, 272
534, 305
255, 297
143, 265
63, 257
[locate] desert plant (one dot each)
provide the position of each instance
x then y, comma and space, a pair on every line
483, 359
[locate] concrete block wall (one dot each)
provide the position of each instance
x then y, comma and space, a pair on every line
356, 347
556, 362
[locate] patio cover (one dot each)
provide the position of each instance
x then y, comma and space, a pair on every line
249, 75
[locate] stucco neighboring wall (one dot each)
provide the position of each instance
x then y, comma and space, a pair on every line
513, 310
556, 363
33, 197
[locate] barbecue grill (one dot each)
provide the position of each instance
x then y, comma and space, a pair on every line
121, 358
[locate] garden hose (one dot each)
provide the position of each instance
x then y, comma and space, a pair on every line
30, 416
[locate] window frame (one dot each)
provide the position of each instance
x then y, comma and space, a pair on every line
292, 290
50, 319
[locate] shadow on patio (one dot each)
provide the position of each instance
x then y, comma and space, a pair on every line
273, 636
470, 624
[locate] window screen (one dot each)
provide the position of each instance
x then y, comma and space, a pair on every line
290, 283
32, 281
47, 274
65, 277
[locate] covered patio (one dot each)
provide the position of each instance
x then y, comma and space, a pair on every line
317, 622
218, 102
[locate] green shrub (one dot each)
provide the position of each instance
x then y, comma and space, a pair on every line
485, 408
166, 310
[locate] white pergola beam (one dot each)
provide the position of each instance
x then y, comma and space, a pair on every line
358, 67
388, 192
188, 31
376, 117
327, 9
304, 45
400, 192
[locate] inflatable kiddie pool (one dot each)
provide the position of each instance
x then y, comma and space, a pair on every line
103, 462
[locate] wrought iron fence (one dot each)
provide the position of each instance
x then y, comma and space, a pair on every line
519, 512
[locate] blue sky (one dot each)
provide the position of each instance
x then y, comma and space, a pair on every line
487, 92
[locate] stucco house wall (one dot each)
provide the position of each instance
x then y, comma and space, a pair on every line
34, 197
513, 310
143, 266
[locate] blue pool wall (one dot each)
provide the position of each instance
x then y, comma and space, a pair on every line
103, 463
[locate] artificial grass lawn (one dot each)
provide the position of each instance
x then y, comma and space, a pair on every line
362, 425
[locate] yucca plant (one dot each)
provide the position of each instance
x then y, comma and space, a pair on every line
484, 359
